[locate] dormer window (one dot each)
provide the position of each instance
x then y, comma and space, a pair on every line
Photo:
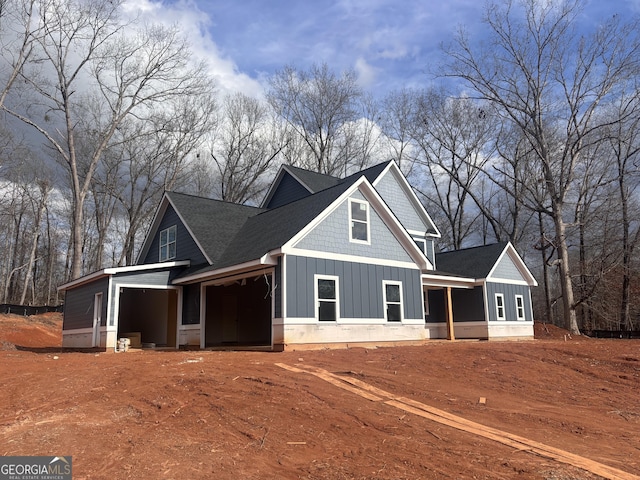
168, 244
359, 221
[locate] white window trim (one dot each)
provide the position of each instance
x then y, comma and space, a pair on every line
175, 242
499, 306
520, 308
368, 222
384, 300
316, 303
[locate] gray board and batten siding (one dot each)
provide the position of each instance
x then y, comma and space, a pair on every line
509, 291
360, 287
332, 235
186, 247
79, 304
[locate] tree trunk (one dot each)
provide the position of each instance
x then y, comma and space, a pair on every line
545, 269
566, 286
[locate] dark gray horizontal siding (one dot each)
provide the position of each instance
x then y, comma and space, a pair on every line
191, 304
289, 190
186, 247
509, 291
78, 304
360, 287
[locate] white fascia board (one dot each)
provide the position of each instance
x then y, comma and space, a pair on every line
447, 281
107, 272
381, 208
82, 280
393, 167
147, 266
298, 252
266, 260
510, 250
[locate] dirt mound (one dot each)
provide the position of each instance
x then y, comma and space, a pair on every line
548, 331
37, 331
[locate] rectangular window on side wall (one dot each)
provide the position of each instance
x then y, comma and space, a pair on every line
520, 307
359, 228
500, 312
326, 298
168, 244
392, 292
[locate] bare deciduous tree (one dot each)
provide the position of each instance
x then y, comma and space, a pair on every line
321, 108
245, 149
85, 47
550, 82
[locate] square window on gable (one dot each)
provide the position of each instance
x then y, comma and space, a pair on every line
359, 225
168, 244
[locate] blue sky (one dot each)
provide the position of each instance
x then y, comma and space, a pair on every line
389, 43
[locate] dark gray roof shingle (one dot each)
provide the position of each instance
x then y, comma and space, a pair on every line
213, 222
474, 262
235, 234
312, 180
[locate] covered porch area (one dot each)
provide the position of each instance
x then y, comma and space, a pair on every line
454, 307
237, 311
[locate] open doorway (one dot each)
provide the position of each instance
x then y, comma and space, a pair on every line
238, 313
150, 313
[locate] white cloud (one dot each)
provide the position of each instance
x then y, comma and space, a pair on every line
367, 74
195, 25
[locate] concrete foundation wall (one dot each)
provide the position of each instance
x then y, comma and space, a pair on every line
189, 335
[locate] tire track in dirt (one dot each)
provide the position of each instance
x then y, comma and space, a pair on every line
517, 442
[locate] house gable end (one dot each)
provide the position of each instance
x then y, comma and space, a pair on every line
329, 233
292, 183
396, 192
510, 268
506, 269
186, 247
332, 236
287, 190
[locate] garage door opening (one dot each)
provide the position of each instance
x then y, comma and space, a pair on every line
151, 313
238, 313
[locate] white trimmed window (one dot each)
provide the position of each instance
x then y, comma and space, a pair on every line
520, 307
392, 293
359, 231
421, 243
168, 244
500, 313
326, 298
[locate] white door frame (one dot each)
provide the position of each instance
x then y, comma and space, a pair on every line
97, 319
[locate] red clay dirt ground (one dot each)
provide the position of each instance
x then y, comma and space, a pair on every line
240, 415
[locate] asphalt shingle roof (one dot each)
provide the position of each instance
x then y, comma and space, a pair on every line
474, 262
213, 222
233, 234
313, 180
